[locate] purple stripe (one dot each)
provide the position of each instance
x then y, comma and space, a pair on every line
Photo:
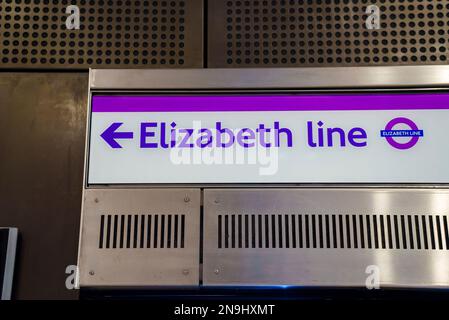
270, 103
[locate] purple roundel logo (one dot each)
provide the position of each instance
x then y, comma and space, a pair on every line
402, 139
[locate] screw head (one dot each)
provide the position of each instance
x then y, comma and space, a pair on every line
216, 271
96, 200
91, 272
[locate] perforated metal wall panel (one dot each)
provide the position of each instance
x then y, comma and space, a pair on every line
265, 33
112, 34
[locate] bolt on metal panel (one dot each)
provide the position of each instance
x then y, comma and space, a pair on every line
140, 238
326, 237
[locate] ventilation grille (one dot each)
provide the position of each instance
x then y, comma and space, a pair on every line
131, 33
338, 231
142, 231
326, 33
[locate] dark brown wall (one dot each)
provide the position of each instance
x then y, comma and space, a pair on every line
42, 132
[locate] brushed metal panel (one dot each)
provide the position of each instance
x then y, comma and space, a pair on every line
318, 264
326, 33
138, 264
119, 34
280, 78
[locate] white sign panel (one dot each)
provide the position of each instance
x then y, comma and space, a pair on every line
339, 138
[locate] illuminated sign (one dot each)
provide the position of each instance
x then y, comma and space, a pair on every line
325, 138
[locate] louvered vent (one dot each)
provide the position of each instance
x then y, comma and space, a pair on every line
307, 33
342, 231
112, 34
142, 231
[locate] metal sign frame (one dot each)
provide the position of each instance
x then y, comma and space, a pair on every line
281, 80
206, 81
